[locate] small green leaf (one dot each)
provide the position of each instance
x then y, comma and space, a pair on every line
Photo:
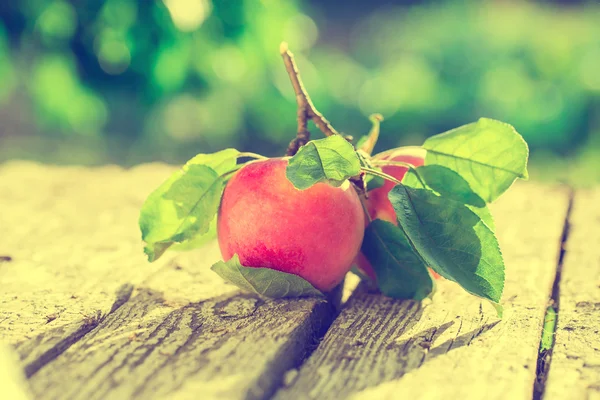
488, 154
450, 185
264, 281
548, 329
222, 161
451, 239
181, 208
332, 160
400, 271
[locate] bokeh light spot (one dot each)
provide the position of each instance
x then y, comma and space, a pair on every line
113, 55
57, 21
62, 99
172, 66
181, 117
229, 64
301, 32
188, 15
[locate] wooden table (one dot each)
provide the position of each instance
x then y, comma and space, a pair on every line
89, 318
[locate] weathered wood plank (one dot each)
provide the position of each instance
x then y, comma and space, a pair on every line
575, 364
14, 384
76, 255
228, 347
454, 348
70, 248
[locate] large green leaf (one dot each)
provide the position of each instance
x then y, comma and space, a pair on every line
485, 214
181, 208
450, 185
451, 239
332, 160
264, 281
445, 182
488, 154
400, 271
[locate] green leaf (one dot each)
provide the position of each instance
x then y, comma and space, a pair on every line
485, 214
451, 239
198, 241
332, 160
182, 211
451, 185
264, 281
374, 182
488, 154
400, 271
445, 182
182, 208
222, 161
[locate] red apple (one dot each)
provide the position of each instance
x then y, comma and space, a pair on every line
378, 204
314, 233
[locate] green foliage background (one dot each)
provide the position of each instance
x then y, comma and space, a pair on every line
123, 81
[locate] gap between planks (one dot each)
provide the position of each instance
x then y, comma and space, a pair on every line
545, 356
574, 371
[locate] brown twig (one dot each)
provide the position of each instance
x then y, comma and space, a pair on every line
306, 109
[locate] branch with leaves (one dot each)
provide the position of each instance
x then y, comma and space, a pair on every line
441, 221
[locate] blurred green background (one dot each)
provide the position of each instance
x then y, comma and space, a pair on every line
121, 81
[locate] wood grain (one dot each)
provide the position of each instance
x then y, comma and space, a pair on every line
455, 347
575, 363
91, 318
229, 347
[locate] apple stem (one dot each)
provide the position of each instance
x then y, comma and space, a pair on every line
391, 178
380, 174
306, 109
227, 174
251, 155
373, 135
391, 162
411, 167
